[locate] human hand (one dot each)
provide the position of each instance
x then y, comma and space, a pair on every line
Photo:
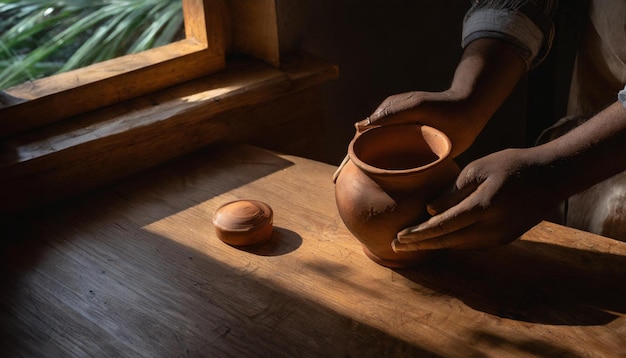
485, 76
445, 111
494, 201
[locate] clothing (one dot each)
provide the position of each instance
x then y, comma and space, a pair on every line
598, 79
525, 24
600, 68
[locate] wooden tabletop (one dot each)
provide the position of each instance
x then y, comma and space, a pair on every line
137, 271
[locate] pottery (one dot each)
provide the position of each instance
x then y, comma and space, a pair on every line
244, 222
393, 171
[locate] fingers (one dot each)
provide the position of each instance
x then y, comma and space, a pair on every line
364, 124
394, 110
457, 193
459, 209
438, 226
438, 243
371, 121
444, 231
466, 238
386, 117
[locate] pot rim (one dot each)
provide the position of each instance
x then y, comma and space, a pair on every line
399, 172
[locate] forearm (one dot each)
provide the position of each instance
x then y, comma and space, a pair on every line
486, 75
502, 39
588, 154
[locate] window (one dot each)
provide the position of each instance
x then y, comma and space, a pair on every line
64, 95
89, 127
45, 37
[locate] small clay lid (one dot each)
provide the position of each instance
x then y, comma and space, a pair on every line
244, 222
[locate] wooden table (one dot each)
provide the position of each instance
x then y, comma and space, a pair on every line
136, 270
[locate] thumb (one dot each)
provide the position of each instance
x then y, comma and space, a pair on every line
387, 115
451, 197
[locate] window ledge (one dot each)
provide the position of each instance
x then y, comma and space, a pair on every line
105, 145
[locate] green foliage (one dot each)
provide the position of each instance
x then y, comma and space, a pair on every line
39, 38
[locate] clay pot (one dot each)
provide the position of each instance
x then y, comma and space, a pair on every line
393, 172
244, 222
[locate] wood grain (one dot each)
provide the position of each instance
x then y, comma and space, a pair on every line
244, 102
212, 28
136, 270
61, 96
255, 29
205, 22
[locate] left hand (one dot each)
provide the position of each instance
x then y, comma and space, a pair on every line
447, 111
494, 201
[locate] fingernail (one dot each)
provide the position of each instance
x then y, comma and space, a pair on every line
396, 246
431, 210
402, 239
409, 233
364, 123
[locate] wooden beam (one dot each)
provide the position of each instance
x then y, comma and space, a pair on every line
254, 29
105, 145
61, 96
208, 29
67, 94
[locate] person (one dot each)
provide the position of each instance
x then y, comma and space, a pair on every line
497, 198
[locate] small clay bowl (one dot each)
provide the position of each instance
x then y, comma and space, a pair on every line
244, 222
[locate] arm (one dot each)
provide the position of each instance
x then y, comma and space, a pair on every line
499, 197
501, 38
592, 152
485, 76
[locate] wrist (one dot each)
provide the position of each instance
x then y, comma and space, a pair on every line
486, 75
467, 118
553, 170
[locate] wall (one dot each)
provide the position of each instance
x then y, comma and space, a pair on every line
385, 47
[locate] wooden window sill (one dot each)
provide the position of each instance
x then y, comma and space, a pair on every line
105, 145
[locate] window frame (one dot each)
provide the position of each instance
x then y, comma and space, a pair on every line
44, 163
64, 95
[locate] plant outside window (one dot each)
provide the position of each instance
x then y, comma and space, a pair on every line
41, 38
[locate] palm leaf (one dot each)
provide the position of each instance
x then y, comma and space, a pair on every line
41, 37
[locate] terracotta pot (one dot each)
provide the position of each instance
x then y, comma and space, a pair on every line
393, 172
244, 222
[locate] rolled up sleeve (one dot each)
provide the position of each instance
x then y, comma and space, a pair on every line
525, 25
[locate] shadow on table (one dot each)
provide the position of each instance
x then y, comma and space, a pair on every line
532, 282
137, 293
99, 284
283, 241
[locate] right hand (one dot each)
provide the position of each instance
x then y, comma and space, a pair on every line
445, 111
494, 200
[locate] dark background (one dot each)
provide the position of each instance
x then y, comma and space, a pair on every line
384, 47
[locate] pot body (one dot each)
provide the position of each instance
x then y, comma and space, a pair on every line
393, 172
